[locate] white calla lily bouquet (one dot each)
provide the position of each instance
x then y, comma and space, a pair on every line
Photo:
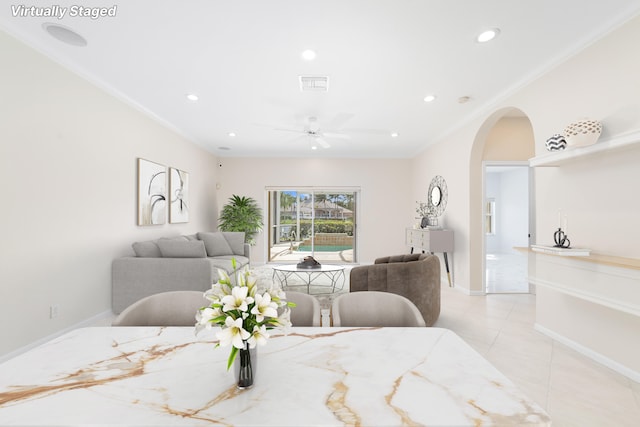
243, 312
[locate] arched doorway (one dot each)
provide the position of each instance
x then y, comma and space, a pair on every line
506, 136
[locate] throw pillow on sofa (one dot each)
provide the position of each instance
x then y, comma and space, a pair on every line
148, 249
235, 240
215, 243
181, 249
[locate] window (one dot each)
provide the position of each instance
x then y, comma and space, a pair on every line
320, 222
490, 217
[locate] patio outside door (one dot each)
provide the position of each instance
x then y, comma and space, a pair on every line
320, 222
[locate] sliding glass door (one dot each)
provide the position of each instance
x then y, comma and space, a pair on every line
320, 222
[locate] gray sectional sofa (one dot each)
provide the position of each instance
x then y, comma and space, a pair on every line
189, 262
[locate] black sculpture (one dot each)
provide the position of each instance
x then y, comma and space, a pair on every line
561, 239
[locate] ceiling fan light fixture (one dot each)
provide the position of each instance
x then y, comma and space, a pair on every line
313, 126
487, 35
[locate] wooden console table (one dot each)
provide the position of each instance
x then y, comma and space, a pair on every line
431, 241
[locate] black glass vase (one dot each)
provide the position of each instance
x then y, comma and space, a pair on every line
244, 367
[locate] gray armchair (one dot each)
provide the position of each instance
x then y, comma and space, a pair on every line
415, 276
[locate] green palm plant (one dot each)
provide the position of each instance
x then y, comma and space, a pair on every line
241, 214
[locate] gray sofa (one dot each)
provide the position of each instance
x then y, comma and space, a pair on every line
415, 276
174, 264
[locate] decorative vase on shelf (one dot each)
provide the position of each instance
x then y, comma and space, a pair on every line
424, 222
244, 367
556, 143
583, 133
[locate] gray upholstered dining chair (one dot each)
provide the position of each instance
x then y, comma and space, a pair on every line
374, 308
176, 308
307, 309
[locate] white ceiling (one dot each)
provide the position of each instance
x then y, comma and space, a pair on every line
243, 60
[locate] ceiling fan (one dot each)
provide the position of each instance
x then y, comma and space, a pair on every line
312, 130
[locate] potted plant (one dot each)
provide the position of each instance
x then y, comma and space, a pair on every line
241, 214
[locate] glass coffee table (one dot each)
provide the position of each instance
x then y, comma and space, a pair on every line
335, 274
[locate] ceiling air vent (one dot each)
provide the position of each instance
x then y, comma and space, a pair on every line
314, 83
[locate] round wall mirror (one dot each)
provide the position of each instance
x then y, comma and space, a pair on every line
438, 195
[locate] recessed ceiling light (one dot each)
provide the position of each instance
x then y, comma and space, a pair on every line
464, 99
429, 98
224, 148
487, 35
232, 134
309, 55
314, 147
192, 97
64, 34
394, 134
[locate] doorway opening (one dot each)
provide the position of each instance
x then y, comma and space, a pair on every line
507, 220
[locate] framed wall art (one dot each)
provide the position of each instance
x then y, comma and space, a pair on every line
152, 193
178, 196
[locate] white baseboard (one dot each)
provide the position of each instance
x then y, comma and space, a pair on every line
468, 291
85, 323
593, 355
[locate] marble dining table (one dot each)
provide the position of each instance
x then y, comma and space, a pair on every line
168, 376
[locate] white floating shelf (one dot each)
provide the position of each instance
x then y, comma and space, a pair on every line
557, 158
552, 250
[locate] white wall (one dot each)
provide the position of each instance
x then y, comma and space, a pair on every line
68, 166
385, 204
448, 159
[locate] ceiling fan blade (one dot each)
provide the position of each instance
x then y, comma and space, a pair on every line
322, 142
288, 130
336, 135
368, 131
340, 120
297, 138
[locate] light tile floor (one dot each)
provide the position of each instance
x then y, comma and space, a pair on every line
506, 273
573, 389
